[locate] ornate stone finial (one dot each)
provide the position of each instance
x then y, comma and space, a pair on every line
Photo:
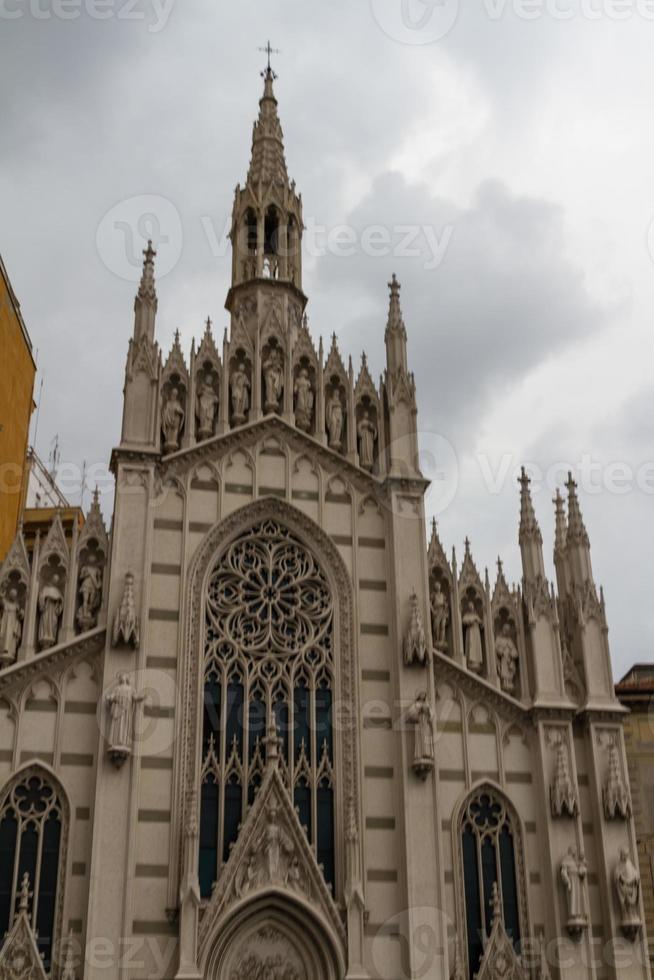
126, 622
272, 744
529, 529
459, 967
191, 829
560, 525
395, 322
24, 894
146, 286
267, 161
577, 533
627, 887
495, 903
415, 645
466, 547
563, 796
68, 971
615, 795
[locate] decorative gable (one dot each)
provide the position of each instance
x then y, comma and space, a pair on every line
499, 961
19, 957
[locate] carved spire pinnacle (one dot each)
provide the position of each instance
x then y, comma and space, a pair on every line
24, 894
560, 525
529, 529
267, 162
272, 744
145, 303
495, 903
68, 972
577, 533
395, 334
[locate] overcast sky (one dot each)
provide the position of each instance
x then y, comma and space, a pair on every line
515, 138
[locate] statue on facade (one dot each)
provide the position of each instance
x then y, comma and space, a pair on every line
627, 886
11, 626
303, 400
90, 590
573, 872
126, 623
334, 417
172, 420
367, 434
240, 389
473, 648
506, 654
415, 645
440, 615
205, 409
121, 701
51, 604
421, 715
273, 380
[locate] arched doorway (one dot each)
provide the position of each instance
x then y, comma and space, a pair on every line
272, 939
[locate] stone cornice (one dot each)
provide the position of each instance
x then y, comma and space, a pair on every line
283, 285
128, 454
46, 663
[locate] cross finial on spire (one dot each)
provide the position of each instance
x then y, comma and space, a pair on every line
268, 72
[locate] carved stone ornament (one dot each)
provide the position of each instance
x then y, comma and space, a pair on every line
121, 701
500, 961
572, 872
421, 715
415, 645
627, 888
506, 654
615, 795
563, 795
11, 625
19, 957
90, 591
126, 623
440, 614
51, 604
267, 955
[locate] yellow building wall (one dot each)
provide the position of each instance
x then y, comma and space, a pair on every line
17, 370
639, 743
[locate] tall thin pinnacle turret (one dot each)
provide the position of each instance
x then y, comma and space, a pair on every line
267, 161
577, 533
395, 333
529, 529
560, 525
145, 303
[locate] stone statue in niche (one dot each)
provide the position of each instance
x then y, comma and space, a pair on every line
51, 604
11, 626
627, 886
440, 615
303, 400
472, 630
205, 409
415, 645
121, 701
506, 654
273, 380
573, 872
421, 715
367, 434
126, 623
90, 590
172, 420
334, 417
240, 389
615, 794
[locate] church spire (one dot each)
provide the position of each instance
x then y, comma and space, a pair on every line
395, 334
267, 162
529, 536
577, 540
145, 302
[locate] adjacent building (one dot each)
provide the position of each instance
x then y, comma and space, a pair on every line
269, 727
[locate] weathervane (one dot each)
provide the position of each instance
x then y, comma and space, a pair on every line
268, 51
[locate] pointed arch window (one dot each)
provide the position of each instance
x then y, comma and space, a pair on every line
491, 854
268, 659
31, 834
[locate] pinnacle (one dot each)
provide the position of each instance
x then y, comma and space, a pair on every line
395, 322
560, 524
146, 286
529, 529
267, 162
577, 533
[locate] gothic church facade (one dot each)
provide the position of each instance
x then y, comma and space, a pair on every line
267, 728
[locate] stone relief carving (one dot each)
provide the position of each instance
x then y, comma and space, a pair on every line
615, 795
334, 419
121, 702
367, 432
126, 623
415, 645
440, 615
472, 632
172, 420
563, 794
421, 716
303, 400
11, 625
506, 654
627, 888
268, 955
206, 406
272, 860
51, 604
90, 590
573, 872
273, 376
239, 385
19, 957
